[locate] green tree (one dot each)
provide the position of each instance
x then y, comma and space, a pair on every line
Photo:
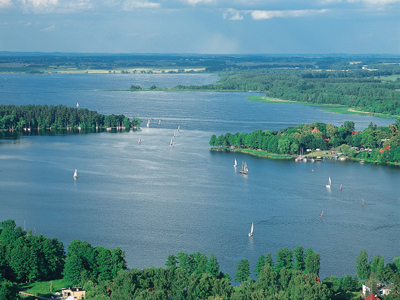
242, 270
8, 290
362, 265
312, 263
284, 259
299, 257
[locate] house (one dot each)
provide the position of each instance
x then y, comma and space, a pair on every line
385, 289
75, 292
315, 130
372, 297
324, 137
383, 150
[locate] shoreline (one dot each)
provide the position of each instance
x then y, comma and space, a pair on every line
332, 108
264, 154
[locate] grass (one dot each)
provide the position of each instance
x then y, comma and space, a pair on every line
388, 78
265, 154
42, 288
333, 108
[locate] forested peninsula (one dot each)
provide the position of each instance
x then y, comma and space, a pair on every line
40, 266
29, 117
373, 144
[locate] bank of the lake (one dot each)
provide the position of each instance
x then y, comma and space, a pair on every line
333, 108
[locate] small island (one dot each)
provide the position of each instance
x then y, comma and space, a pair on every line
44, 117
317, 140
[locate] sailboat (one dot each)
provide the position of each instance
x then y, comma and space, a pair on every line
251, 230
172, 143
139, 141
159, 122
77, 104
76, 173
179, 127
330, 183
244, 169
235, 165
148, 123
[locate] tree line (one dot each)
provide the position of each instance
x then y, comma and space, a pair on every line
25, 257
321, 136
363, 89
58, 117
103, 273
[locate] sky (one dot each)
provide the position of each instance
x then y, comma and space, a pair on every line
201, 26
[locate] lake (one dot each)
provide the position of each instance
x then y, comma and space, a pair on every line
153, 200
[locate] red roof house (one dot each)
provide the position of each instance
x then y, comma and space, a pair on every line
383, 150
372, 297
315, 130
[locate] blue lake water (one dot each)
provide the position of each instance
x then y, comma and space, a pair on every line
152, 200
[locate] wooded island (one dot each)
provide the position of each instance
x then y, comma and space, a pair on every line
29, 117
373, 144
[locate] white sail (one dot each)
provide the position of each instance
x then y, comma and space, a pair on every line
76, 173
330, 183
77, 104
251, 230
235, 163
139, 141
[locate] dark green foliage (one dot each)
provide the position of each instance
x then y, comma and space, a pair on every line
170, 283
312, 264
284, 259
57, 117
84, 262
362, 265
299, 257
367, 145
27, 258
8, 290
242, 270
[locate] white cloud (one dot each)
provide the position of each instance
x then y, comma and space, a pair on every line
375, 2
132, 4
194, 2
57, 6
232, 14
269, 14
5, 3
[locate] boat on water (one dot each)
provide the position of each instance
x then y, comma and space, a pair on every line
148, 123
251, 229
235, 165
171, 143
139, 141
179, 127
362, 161
76, 173
77, 104
330, 183
318, 158
244, 169
159, 122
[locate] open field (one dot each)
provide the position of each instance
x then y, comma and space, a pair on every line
334, 108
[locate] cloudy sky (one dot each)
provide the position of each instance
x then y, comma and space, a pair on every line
201, 26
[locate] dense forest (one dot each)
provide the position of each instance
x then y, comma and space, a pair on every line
102, 272
27, 117
374, 144
366, 90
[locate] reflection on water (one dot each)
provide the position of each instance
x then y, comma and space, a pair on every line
152, 200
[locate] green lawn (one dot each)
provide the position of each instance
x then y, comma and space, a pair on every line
42, 288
